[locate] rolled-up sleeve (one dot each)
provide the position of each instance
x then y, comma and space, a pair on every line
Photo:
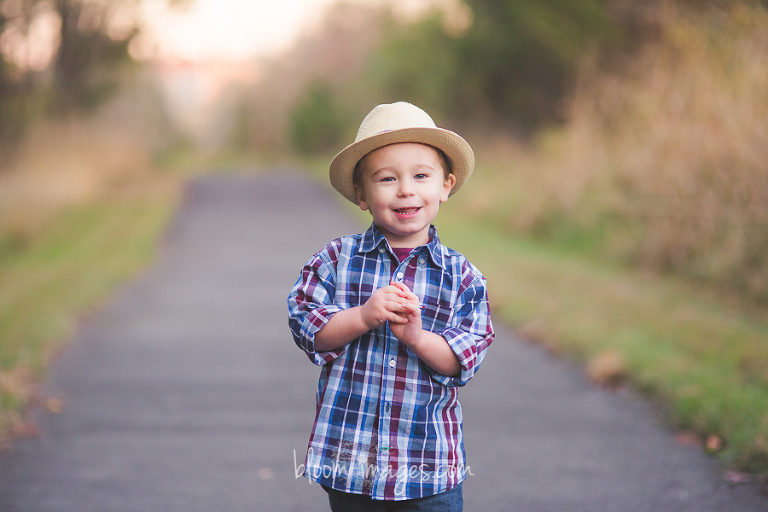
311, 305
471, 331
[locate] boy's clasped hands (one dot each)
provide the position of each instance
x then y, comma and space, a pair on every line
399, 306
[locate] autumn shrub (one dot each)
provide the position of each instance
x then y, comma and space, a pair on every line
663, 159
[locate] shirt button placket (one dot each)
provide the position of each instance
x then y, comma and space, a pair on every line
384, 432
383, 459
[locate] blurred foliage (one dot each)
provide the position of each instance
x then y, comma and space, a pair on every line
482, 64
282, 106
415, 62
317, 123
661, 163
17, 101
518, 57
62, 57
505, 66
90, 52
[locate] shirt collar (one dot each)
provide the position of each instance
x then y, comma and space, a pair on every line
373, 239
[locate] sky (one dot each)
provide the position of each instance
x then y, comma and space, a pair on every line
205, 30
228, 29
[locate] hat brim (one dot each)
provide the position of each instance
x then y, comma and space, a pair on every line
453, 145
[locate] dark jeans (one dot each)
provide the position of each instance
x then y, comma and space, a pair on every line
449, 501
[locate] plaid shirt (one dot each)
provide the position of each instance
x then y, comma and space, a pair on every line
386, 424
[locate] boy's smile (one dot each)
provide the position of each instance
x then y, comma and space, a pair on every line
402, 186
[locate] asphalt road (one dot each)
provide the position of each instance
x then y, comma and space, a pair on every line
186, 393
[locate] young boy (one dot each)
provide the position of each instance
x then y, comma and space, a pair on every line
397, 321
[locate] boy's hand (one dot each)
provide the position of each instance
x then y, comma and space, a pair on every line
388, 304
408, 330
401, 308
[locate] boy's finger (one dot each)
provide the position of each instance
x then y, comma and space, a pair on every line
395, 305
398, 319
400, 286
396, 292
413, 308
406, 293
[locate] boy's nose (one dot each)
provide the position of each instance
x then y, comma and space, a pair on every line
406, 188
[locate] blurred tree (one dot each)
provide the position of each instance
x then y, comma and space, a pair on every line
326, 60
509, 68
519, 56
93, 45
16, 82
416, 63
317, 122
62, 56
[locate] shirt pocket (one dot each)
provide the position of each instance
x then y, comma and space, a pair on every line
436, 313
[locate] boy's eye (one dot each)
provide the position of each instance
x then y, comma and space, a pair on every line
421, 176
387, 178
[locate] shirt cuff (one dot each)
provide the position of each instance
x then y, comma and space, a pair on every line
464, 345
315, 321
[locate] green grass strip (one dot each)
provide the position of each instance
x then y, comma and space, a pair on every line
48, 283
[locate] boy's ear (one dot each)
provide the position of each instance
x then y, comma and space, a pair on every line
361, 198
447, 187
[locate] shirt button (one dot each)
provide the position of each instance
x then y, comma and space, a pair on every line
392, 363
399, 276
382, 250
422, 261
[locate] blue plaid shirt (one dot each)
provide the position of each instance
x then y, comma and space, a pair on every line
386, 424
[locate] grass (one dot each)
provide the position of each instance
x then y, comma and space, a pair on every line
703, 359
50, 280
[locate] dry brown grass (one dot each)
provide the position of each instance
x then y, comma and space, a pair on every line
60, 164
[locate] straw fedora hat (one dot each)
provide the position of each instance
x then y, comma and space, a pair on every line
394, 123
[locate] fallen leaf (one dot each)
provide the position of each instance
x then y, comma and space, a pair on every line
735, 478
54, 405
713, 444
607, 369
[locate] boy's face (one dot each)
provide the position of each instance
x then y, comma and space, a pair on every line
403, 186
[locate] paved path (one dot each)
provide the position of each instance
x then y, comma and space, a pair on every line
185, 392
